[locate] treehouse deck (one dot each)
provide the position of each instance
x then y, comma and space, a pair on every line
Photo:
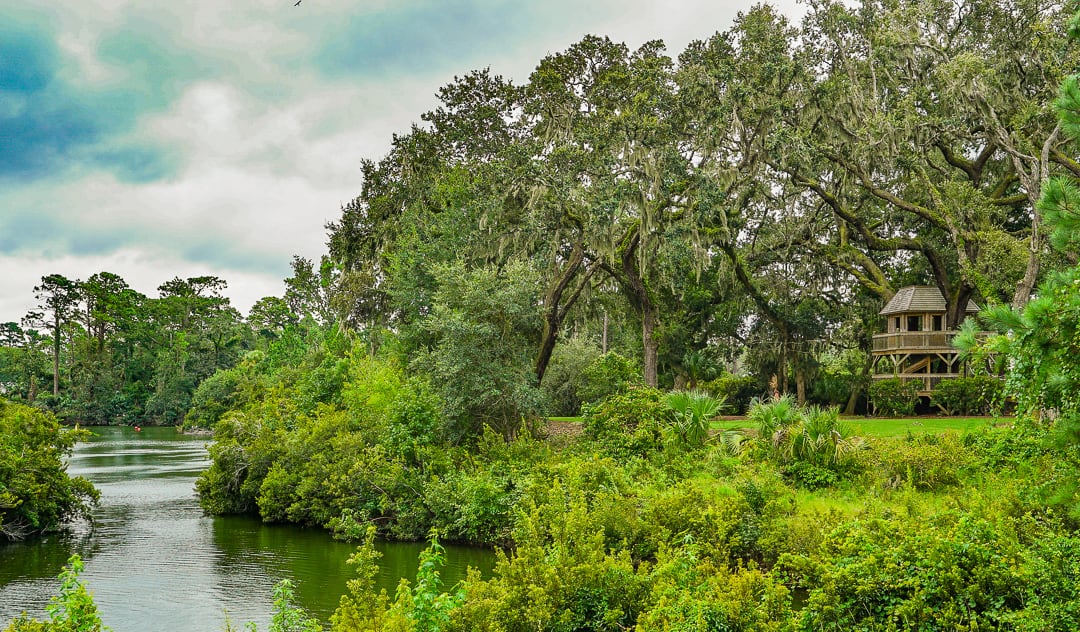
916, 345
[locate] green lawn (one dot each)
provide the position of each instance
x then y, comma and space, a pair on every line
876, 427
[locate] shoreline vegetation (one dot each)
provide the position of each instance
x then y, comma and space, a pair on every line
633, 525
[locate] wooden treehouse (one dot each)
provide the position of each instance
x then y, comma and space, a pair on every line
917, 346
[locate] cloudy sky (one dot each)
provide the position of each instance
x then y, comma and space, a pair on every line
155, 139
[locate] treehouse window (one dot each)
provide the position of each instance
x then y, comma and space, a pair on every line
938, 323
914, 323
896, 324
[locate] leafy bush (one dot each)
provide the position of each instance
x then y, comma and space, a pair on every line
629, 423
481, 327
213, 398
36, 493
975, 395
837, 376
894, 396
608, 375
947, 574
811, 444
737, 391
564, 377
692, 412
926, 461
414, 420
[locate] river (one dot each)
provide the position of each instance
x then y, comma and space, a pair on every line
155, 561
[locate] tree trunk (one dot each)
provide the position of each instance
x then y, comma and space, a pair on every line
857, 388
603, 338
956, 303
782, 362
556, 310
1033, 182
800, 382
56, 357
634, 288
649, 343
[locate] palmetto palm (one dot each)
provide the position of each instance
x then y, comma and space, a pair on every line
692, 411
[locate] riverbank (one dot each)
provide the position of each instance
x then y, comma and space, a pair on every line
152, 554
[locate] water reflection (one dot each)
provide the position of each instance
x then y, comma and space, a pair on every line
155, 561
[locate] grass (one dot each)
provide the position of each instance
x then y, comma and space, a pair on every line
881, 427
876, 427
900, 427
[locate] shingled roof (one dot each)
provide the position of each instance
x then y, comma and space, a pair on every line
920, 299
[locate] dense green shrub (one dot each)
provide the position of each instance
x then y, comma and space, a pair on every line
607, 375
688, 593
837, 375
480, 358
894, 396
925, 461
976, 395
954, 572
737, 391
629, 423
810, 444
692, 412
36, 493
565, 375
414, 420
214, 396
1019, 444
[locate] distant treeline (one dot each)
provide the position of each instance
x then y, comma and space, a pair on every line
98, 351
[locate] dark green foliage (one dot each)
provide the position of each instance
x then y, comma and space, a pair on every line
894, 396
977, 395
36, 494
629, 423
478, 356
212, 398
837, 377
607, 375
737, 391
810, 444
565, 375
926, 461
119, 357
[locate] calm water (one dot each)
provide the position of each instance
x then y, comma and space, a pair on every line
154, 561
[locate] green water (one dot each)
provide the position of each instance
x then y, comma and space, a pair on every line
155, 561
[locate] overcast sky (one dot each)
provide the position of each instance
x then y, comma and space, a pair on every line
156, 139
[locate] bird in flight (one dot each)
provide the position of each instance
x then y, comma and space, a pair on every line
298, 3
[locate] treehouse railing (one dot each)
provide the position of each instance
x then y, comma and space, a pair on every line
914, 340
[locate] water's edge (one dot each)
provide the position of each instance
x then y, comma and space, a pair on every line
154, 560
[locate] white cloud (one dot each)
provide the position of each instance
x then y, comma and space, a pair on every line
269, 148
144, 270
